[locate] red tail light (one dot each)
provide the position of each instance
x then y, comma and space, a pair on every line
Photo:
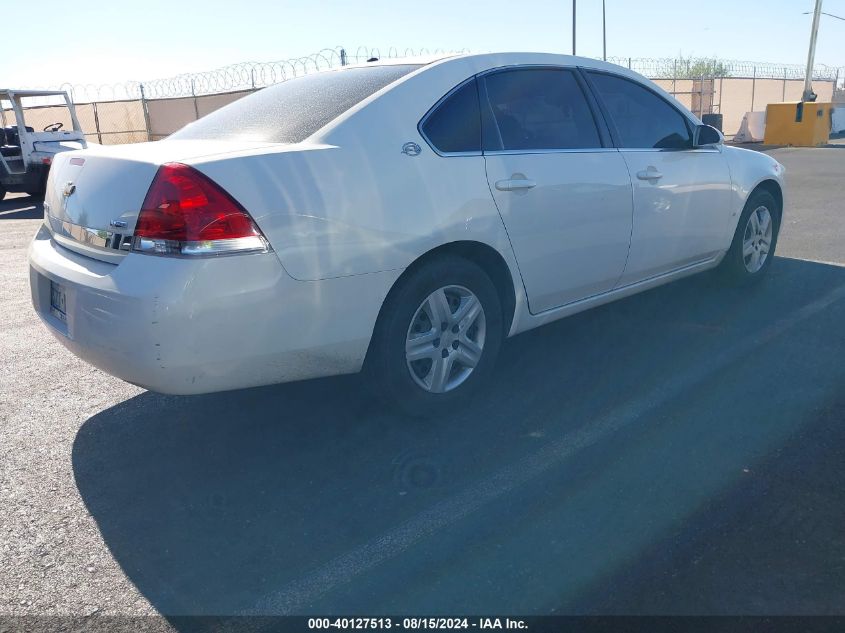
187, 213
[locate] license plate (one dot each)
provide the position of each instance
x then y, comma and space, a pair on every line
57, 302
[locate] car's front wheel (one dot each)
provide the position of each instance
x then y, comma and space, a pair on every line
753, 246
437, 337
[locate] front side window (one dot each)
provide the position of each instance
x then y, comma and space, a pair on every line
642, 118
293, 110
537, 109
455, 123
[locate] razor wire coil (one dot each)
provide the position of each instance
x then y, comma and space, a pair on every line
254, 75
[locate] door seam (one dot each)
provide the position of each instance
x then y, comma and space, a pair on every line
633, 219
508, 235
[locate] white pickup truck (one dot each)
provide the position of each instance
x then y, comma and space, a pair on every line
26, 155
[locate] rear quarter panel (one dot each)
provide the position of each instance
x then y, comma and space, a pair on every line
349, 202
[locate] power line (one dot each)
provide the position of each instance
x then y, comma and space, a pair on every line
830, 15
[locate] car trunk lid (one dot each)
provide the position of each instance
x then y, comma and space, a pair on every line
93, 196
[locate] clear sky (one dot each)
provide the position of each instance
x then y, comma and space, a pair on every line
48, 42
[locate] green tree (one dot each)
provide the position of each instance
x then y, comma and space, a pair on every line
695, 68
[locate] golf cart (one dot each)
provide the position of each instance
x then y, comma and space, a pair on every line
26, 155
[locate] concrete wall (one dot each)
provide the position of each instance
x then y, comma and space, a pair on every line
734, 96
112, 122
168, 115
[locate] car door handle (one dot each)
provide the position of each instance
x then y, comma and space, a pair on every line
649, 174
512, 184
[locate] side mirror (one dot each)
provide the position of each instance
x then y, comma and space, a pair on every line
707, 135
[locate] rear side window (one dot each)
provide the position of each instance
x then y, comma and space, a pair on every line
455, 123
537, 109
642, 118
293, 110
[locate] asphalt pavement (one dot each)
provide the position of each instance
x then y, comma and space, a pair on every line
678, 452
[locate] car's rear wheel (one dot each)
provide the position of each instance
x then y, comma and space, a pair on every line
753, 246
437, 338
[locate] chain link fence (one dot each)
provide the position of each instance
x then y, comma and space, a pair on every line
714, 68
132, 112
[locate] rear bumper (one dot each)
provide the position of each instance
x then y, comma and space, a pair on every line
195, 326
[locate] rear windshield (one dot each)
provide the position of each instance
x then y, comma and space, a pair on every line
293, 110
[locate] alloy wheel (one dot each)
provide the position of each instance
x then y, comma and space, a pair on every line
445, 340
757, 239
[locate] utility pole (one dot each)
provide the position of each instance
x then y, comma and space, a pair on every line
603, 32
573, 27
809, 95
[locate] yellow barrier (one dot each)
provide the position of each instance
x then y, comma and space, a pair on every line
802, 123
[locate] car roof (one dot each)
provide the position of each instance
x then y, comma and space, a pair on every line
490, 60
494, 59
469, 64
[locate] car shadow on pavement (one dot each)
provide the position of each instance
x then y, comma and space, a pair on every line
212, 503
21, 208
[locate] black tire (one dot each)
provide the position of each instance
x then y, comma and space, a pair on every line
387, 370
733, 269
40, 191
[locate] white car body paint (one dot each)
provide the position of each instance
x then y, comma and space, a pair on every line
184, 326
553, 248
346, 212
680, 219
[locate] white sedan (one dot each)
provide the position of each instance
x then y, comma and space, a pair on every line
400, 217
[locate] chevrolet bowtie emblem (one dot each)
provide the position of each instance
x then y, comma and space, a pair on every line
69, 189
